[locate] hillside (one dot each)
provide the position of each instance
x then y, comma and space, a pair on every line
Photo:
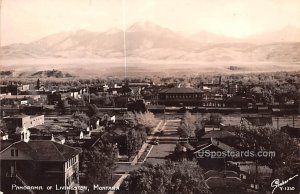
147, 41
50, 74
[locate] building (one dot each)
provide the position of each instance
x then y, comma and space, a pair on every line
213, 100
24, 88
23, 121
55, 98
12, 89
180, 96
21, 97
239, 89
213, 162
39, 162
141, 84
215, 83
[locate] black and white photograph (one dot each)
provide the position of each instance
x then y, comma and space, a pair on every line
149, 96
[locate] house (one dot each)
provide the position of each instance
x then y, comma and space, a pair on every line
58, 139
222, 135
211, 155
208, 128
135, 92
24, 87
3, 135
39, 162
180, 96
23, 121
250, 170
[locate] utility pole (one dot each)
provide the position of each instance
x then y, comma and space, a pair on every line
124, 37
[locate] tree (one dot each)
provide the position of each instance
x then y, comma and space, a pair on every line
64, 107
215, 119
80, 116
132, 142
81, 121
98, 163
267, 138
200, 130
146, 119
178, 153
92, 110
188, 125
189, 118
183, 130
3, 126
169, 178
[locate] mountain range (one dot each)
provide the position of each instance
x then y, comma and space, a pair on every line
148, 41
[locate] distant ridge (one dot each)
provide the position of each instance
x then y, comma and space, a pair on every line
51, 73
148, 41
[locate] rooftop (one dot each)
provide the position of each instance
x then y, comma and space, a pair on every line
180, 90
45, 150
219, 134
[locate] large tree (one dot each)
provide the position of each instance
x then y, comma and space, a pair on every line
81, 121
191, 124
267, 138
98, 163
169, 178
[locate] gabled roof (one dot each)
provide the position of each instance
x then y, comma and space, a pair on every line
180, 90
221, 145
45, 150
222, 174
216, 143
5, 144
218, 134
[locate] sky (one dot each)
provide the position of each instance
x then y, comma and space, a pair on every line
24, 21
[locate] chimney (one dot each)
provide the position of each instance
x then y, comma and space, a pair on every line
52, 138
220, 80
25, 135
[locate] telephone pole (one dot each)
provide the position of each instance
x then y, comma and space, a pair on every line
124, 37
